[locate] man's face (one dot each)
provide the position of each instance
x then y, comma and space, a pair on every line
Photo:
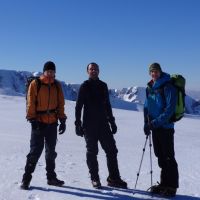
155, 74
49, 73
93, 71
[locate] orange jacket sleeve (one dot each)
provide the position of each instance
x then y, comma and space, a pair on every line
31, 101
61, 103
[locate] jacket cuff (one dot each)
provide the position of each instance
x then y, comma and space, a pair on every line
111, 119
62, 120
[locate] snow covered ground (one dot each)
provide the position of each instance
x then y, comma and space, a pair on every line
71, 165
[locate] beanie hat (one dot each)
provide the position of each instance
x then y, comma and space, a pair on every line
49, 66
155, 66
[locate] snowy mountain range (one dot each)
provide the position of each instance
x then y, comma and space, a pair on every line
132, 98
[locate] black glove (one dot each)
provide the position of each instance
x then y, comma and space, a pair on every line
79, 130
147, 129
113, 127
62, 126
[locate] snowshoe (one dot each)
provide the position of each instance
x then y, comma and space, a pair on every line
119, 183
55, 182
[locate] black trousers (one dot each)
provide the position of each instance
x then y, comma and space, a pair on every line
44, 137
163, 142
107, 141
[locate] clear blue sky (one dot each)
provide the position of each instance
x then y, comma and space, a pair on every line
122, 36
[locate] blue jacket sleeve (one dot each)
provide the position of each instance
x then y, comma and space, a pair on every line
170, 105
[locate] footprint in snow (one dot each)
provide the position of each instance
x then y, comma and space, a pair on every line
33, 197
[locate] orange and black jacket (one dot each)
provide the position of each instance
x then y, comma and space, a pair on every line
46, 104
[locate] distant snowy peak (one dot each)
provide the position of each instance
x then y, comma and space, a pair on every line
132, 98
70, 90
130, 94
37, 74
14, 83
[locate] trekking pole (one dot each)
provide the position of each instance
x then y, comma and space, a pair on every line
151, 171
141, 161
150, 145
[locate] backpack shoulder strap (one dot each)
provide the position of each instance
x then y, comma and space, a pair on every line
161, 89
38, 83
147, 91
57, 84
58, 88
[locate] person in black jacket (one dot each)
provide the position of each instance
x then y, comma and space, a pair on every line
98, 126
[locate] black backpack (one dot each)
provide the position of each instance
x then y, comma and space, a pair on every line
28, 82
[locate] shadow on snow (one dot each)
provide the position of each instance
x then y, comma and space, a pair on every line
109, 193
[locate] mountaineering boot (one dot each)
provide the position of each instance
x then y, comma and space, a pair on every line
163, 190
96, 184
55, 182
29, 169
119, 183
26, 181
168, 192
25, 184
155, 189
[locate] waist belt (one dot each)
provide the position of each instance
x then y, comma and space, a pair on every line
47, 112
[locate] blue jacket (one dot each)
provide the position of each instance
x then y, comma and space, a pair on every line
159, 107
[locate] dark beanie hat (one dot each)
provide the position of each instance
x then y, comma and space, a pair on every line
155, 66
49, 66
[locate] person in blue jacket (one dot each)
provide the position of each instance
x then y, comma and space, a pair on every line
158, 108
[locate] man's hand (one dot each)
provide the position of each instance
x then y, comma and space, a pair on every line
62, 126
147, 130
34, 124
79, 131
78, 128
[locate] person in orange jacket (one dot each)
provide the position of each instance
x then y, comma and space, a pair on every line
45, 106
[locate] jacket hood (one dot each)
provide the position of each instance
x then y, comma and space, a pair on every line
163, 79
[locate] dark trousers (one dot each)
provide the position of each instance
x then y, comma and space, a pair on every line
46, 136
107, 141
163, 142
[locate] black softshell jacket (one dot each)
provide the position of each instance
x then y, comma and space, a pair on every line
93, 97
